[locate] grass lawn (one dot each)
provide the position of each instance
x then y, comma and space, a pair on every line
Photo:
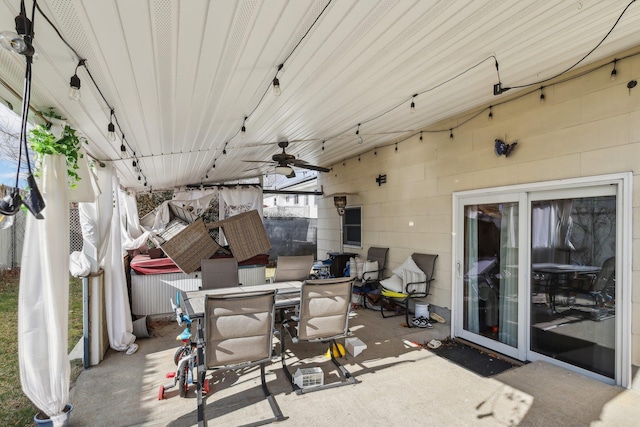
16, 409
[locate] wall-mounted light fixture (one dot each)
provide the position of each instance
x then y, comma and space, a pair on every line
340, 202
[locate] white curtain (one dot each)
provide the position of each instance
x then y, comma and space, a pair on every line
101, 229
508, 328
471, 280
86, 189
236, 200
133, 235
553, 224
44, 297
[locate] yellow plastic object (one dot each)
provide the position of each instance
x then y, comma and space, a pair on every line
392, 294
337, 352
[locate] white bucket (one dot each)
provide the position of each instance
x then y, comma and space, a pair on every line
422, 309
140, 328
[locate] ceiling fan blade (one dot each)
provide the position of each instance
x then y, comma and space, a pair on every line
258, 161
304, 165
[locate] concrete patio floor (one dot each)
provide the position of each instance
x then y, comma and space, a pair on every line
401, 384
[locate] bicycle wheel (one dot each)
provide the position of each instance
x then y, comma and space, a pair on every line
183, 384
180, 352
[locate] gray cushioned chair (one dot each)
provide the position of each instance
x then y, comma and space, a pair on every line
290, 268
219, 273
239, 334
323, 317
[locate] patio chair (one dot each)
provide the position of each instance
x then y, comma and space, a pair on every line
219, 273
239, 334
369, 284
289, 268
603, 285
411, 286
323, 317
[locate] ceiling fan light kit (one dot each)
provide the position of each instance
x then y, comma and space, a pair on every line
283, 170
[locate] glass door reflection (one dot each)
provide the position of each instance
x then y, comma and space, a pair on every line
573, 244
491, 271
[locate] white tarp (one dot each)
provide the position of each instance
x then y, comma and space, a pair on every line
44, 297
101, 230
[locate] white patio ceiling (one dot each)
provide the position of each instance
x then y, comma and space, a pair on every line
182, 75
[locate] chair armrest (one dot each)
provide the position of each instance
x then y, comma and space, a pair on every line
412, 288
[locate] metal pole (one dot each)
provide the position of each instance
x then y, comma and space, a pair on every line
85, 321
341, 231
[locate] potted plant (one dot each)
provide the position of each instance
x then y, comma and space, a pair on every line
42, 420
67, 143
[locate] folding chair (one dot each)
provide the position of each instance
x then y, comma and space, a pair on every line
323, 317
239, 334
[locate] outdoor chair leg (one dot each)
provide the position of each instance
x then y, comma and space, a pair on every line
278, 416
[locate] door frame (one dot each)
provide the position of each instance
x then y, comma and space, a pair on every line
624, 239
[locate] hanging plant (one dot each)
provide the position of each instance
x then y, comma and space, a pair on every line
43, 141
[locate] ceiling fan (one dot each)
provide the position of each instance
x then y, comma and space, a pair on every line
283, 162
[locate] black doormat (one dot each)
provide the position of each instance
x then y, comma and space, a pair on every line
483, 363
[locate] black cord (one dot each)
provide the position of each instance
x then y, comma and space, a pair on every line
582, 59
425, 91
275, 76
26, 97
82, 62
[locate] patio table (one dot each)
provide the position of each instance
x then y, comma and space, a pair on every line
560, 274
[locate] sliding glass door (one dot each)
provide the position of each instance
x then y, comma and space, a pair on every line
573, 295
538, 273
489, 270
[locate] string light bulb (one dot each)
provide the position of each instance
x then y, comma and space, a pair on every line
322, 145
111, 129
413, 104
420, 135
358, 130
74, 88
542, 97
243, 130
276, 87
614, 72
451, 133
396, 147
490, 113
74, 83
276, 83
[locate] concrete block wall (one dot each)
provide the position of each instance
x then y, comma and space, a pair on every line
587, 126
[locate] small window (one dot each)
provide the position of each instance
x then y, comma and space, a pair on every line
352, 226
